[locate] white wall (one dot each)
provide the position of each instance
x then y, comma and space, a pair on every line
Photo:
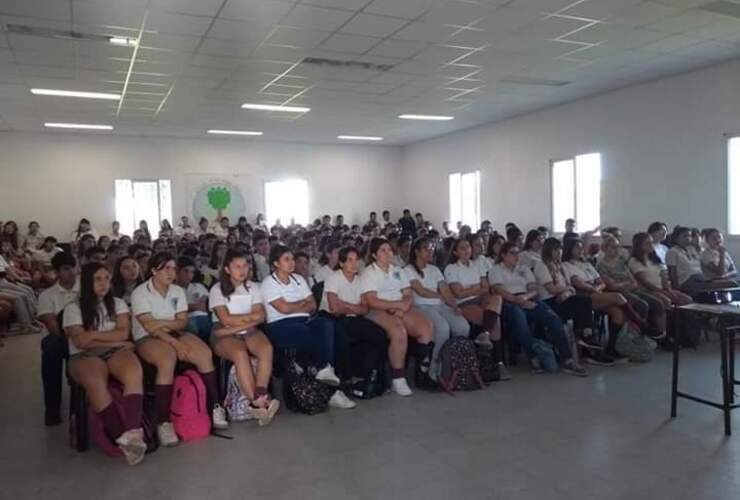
662, 144
59, 178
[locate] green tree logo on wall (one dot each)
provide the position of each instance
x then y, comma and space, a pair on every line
219, 199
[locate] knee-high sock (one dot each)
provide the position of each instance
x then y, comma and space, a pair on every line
498, 351
111, 422
211, 382
490, 321
132, 409
162, 400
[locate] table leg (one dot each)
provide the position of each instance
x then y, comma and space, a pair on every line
677, 325
725, 383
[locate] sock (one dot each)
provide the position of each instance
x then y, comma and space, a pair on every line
111, 422
398, 373
498, 351
490, 321
162, 400
613, 332
132, 409
260, 391
211, 383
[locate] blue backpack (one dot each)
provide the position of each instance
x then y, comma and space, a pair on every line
545, 354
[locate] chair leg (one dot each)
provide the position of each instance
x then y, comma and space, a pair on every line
78, 422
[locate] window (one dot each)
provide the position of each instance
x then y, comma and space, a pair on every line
149, 200
286, 200
576, 191
465, 199
733, 185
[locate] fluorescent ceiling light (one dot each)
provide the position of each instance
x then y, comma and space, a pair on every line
85, 126
234, 132
74, 93
426, 117
122, 40
276, 107
359, 138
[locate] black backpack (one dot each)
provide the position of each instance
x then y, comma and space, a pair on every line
487, 366
302, 393
459, 368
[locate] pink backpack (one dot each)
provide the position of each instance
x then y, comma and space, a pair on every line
188, 411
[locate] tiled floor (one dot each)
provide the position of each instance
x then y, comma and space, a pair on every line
538, 437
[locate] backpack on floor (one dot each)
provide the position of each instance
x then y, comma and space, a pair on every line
638, 348
237, 406
545, 354
458, 363
302, 393
488, 368
188, 411
97, 431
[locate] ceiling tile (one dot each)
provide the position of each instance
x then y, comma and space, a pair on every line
408, 9
262, 11
424, 32
37, 8
644, 13
213, 46
371, 25
239, 30
318, 18
178, 24
349, 43
296, 37
338, 4
397, 48
194, 7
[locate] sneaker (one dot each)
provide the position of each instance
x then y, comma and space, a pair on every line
218, 416
503, 372
272, 410
401, 387
327, 376
166, 435
657, 336
132, 445
484, 340
590, 343
340, 400
536, 366
599, 359
618, 358
573, 368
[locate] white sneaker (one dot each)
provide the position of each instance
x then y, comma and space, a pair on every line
401, 387
218, 416
167, 436
132, 445
270, 412
340, 400
327, 376
484, 341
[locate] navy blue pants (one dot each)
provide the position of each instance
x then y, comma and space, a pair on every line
543, 321
312, 336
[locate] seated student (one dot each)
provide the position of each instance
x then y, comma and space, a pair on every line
495, 242
684, 266
94, 254
34, 238
83, 229
115, 231
289, 304
221, 230
518, 287
531, 253
469, 286
238, 312
357, 336
328, 261
515, 235
261, 255
115, 253
651, 273
556, 291
211, 272
85, 242
402, 250
126, 277
98, 328
199, 321
159, 309
433, 298
615, 272
716, 261
477, 258
52, 301
387, 293
104, 242
303, 268
570, 230
47, 251
659, 232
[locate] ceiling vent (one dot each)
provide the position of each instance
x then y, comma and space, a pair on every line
19, 29
723, 7
525, 80
336, 63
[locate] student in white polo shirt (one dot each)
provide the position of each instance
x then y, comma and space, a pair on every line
716, 261
199, 319
328, 261
261, 255
358, 339
160, 315
289, 304
469, 286
531, 253
684, 266
47, 252
651, 274
387, 292
238, 312
52, 301
432, 296
126, 277
98, 328
523, 313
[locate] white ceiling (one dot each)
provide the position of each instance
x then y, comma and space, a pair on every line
199, 60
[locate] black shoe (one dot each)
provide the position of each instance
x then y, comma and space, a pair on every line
590, 344
52, 419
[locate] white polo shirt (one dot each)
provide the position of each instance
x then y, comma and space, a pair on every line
348, 291
465, 275
240, 302
195, 292
3, 264
484, 265
263, 268
529, 258
54, 299
387, 285
147, 300
272, 289
322, 273
661, 251
431, 279
686, 261
653, 273
711, 256
544, 277
514, 281
580, 269
73, 317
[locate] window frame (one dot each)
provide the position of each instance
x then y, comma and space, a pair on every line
561, 230
285, 223
478, 215
159, 201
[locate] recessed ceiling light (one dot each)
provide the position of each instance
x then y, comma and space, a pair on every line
359, 138
426, 117
74, 93
276, 107
234, 132
84, 126
124, 41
